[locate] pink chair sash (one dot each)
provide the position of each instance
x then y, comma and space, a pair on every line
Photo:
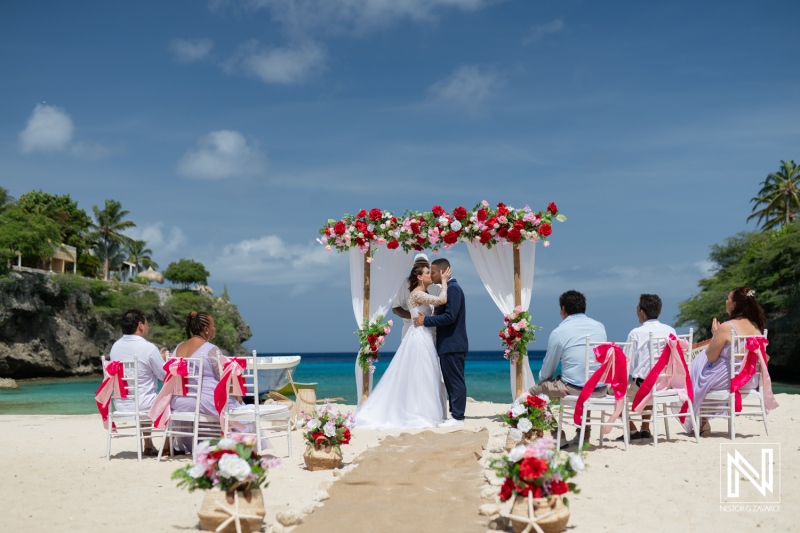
676, 377
113, 384
756, 350
175, 384
231, 382
614, 371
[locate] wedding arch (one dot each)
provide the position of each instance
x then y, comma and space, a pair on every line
502, 245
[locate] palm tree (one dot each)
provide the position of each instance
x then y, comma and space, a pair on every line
138, 253
5, 199
779, 196
107, 227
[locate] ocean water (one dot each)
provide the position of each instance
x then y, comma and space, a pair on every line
487, 376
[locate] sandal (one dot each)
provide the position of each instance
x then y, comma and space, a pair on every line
705, 429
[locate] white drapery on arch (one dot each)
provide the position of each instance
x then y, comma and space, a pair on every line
386, 272
495, 267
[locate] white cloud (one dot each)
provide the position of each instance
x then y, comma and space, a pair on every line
49, 129
468, 86
222, 154
305, 17
554, 26
157, 240
284, 66
190, 50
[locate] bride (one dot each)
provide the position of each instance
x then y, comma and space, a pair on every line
409, 395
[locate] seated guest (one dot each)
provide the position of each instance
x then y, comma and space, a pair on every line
647, 312
710, 369
200, 329
567, 346
134, 345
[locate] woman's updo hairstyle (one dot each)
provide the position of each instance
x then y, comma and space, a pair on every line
746, 306
416, 271
196, 323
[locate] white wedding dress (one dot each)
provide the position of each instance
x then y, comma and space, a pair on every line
411, 392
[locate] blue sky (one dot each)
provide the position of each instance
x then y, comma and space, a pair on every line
233, 130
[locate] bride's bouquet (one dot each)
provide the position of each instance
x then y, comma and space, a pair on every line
528, 415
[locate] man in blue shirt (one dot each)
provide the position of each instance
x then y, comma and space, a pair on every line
567, 346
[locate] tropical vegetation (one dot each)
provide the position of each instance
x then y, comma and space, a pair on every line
187, 272
778, 201
106, 230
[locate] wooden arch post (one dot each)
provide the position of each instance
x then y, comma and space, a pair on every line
517, 302
365, 371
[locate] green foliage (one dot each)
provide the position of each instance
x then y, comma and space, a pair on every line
138, 253
139, 280
769, 263
779, 197
72, 222
89, 265
32, 235
187, 272
6, 200
107, 228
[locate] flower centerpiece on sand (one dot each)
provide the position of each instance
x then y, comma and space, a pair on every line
233, 466
537, 477
529, 418
326, 430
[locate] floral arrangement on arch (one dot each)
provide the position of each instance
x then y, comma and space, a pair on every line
371, 336
438, 228
229, 464
539, 470
530, 413
326, 426
516, 334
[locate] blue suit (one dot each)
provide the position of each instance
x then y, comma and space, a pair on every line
452, 345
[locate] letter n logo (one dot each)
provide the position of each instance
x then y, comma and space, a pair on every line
739, 466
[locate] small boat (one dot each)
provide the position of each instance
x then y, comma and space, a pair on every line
287, 389
273, 372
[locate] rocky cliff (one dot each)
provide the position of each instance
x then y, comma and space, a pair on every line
60, 325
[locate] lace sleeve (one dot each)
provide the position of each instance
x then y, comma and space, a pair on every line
213, 360
417, 298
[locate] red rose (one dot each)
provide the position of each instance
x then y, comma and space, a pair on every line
361, 214
502, 232
552, 208
437, 211
420, 240
502, 210
451, 237
460, 213
511, 333
339, 228
485, 237
360, 226
392, 245
346, 436
491, 222
219, 453
373, 348
519, 224
535, 401
525, 488
415, 228
559, 487
507, 490
502, 335
481, 215
545, 229
375, 214
532, 468
514, 235
418, 248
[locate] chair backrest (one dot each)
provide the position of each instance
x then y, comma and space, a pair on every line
194, 380
250, 375
591, 362
657, 345
130, 373
738, 353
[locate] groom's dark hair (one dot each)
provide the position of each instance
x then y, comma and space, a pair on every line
441, 263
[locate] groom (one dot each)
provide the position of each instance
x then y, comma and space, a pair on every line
451, 342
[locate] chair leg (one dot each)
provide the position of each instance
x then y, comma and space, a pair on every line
602, 426
666, 422
654, 419
163, 441
732, 418
289, 435
764, 412
696, 429
625, 428
558, 430
583, 430
108, 442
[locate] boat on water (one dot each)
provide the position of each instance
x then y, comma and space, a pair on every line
287, 389
273, 372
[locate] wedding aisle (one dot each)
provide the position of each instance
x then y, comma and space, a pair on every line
412, 482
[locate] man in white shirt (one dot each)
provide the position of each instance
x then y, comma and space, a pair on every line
647, 312
400, 305
134, 345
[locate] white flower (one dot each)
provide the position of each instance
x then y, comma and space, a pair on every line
522, 397
442, 220
576, 462
197, 471
334, 413
524, 425
231, 465
517, 453
330, 429
515, 434
350, 422
313, 424
455, 226
518, 409
226, 444
371, 227
544, 397
202, 446
299, 424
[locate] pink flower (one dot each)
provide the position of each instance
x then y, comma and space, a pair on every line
390, 323
502, 219
484, 203
328, 248
386, 330
518, 309
381, 339
546, 244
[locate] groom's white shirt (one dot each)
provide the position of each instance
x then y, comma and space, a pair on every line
401, 300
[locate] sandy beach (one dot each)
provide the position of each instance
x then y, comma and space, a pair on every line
55, 478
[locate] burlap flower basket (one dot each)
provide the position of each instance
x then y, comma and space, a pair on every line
555, 523
322, 457
527, 438
251, 513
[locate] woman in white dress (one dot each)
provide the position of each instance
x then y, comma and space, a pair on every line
409, 395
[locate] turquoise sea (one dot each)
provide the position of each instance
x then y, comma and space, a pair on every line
487, 375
